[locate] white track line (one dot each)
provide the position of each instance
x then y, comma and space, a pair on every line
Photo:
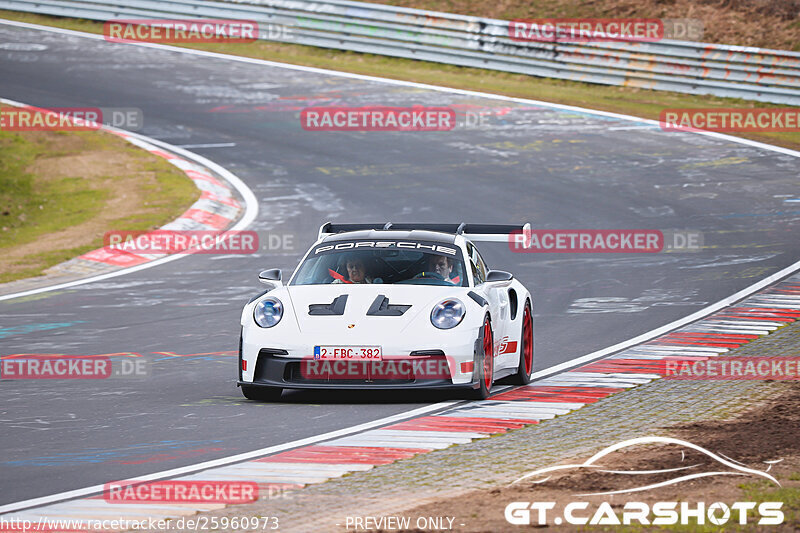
97, 489
542, 373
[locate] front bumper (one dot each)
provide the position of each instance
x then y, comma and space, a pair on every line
363, 386
272, 357
279, 370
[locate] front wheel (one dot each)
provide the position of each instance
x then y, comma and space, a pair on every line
261, 394
525, 369
486, 362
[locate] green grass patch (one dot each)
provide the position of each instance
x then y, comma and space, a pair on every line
31, 207
763, 491
41, 196
41, 261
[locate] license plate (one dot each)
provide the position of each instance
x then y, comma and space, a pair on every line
348, 353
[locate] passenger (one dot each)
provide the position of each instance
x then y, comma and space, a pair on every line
356, 272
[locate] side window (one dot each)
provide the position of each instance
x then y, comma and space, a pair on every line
475, 274
481, 265
476, 263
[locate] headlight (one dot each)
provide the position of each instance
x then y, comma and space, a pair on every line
268, 312
447, 314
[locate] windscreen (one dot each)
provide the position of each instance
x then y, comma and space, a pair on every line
386, 262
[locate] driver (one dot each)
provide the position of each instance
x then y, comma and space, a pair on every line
356, 272
442, 265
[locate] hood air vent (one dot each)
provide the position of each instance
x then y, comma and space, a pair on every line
382, 307
336, 307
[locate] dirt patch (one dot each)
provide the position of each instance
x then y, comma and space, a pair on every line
755, 439
110, 172
63, 190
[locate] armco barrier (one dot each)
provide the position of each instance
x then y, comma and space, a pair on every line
668, 65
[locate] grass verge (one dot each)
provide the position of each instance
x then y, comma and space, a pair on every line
61, 191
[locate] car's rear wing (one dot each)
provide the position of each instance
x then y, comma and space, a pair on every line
473, 232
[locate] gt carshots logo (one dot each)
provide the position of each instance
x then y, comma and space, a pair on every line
385, 244
695, 463
663, 513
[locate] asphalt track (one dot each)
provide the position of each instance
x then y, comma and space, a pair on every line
528, 162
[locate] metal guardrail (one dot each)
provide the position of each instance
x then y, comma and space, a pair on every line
668, 65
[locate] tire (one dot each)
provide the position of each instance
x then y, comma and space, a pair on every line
523, 375
486, 358
261, 394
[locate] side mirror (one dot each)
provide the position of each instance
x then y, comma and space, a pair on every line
498, 275
270, 277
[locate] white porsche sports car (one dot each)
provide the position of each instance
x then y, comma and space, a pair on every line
380, 306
